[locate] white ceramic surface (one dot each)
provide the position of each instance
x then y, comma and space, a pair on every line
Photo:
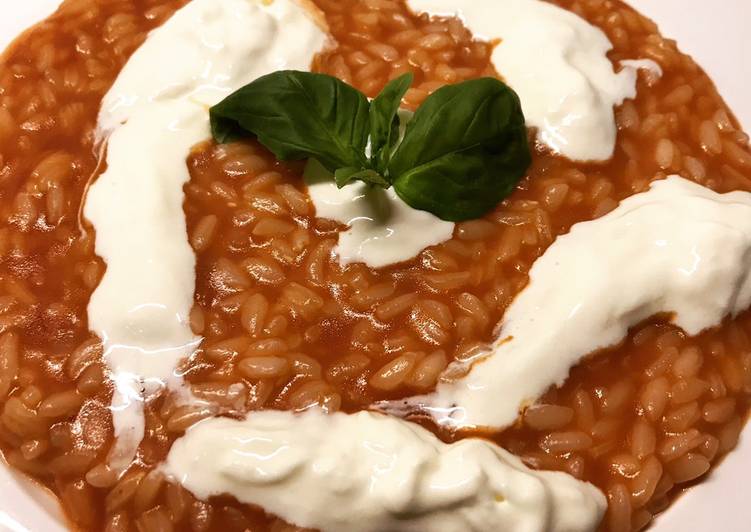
716, 34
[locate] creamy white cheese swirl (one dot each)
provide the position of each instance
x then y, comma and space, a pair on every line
678, 249
557, 62
374, 473
154, 113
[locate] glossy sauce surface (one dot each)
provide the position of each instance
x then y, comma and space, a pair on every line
286, 327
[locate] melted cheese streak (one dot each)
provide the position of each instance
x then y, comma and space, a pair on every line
152, 116
557, 62
373, 473
678, 249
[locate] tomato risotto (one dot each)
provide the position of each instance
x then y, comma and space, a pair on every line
286, 326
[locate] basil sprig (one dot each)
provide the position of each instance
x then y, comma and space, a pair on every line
463, 151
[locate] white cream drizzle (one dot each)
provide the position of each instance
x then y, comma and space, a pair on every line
154, 113
678, 248
557, 62
374, 473
382, 229
653, 69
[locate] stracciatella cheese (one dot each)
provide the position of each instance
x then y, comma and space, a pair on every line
154, 113
678, 249
381, 228
557, 62
374, 473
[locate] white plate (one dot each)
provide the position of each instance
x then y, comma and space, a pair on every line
716, 34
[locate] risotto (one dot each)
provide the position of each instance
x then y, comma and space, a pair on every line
286, 326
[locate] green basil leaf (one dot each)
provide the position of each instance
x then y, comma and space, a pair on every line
344, 176
384, 122
463, 152
298, 115
463, 185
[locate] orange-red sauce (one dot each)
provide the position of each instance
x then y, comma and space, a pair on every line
286, 327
